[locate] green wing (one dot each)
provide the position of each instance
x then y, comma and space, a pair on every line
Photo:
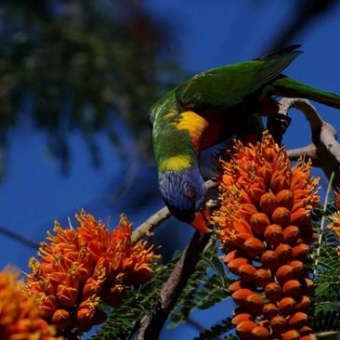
227, 86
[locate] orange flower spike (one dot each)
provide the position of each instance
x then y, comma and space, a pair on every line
239, 239
300, 251
244, 329
256, 190
241, 317
335, 219
269, 152
232, 255
291, 335
227, 180
278, 324
292, 288
253, 247
247, 272
62, 319
247, 211
280, 180
335, 224
245, 197
241, 226
82, 264
281, 216
260, 332
237, 285
283, 252
269, 259
337, 198
265, 172
285, 198
273, 291
47, 306
262, 277
300, 215
291, 234
261, 188
235, 264
300, 196
273, 235
86, 312
300, 174
298, 320
259, 222
268, 203
270, 310
20, 317
67, 296
286, 305
241, 295
255, 303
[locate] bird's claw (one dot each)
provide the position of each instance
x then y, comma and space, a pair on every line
277, 126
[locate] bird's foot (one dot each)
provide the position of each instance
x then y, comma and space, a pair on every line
277, 126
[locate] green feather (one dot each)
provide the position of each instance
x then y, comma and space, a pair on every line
168, 142
288, 87
227, 86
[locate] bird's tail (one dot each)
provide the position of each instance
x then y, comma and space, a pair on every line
287, 87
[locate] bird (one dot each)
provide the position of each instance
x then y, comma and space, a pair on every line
213, 106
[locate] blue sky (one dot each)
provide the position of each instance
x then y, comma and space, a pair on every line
208, 34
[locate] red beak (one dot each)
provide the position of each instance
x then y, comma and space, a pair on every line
200, 221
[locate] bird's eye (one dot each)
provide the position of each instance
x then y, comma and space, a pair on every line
190, 193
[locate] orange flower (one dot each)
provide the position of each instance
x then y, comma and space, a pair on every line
337, 197
19, 313
79, 267
335, 224
264, 225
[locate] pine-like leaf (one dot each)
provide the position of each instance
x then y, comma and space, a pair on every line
212, 292
205, 288
326, 310
326, 318
217, 331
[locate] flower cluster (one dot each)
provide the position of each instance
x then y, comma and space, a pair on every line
264, 224
335, 222
79, 267
19, 313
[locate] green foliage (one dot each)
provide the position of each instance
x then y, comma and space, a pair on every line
206, 287
217, 330
326, 299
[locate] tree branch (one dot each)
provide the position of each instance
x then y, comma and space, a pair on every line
151, 325
324, 150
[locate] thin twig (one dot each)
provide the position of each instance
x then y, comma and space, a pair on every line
150, 224
326, 334
322, 225
19, 238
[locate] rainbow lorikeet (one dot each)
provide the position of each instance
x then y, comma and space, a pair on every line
213, 106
